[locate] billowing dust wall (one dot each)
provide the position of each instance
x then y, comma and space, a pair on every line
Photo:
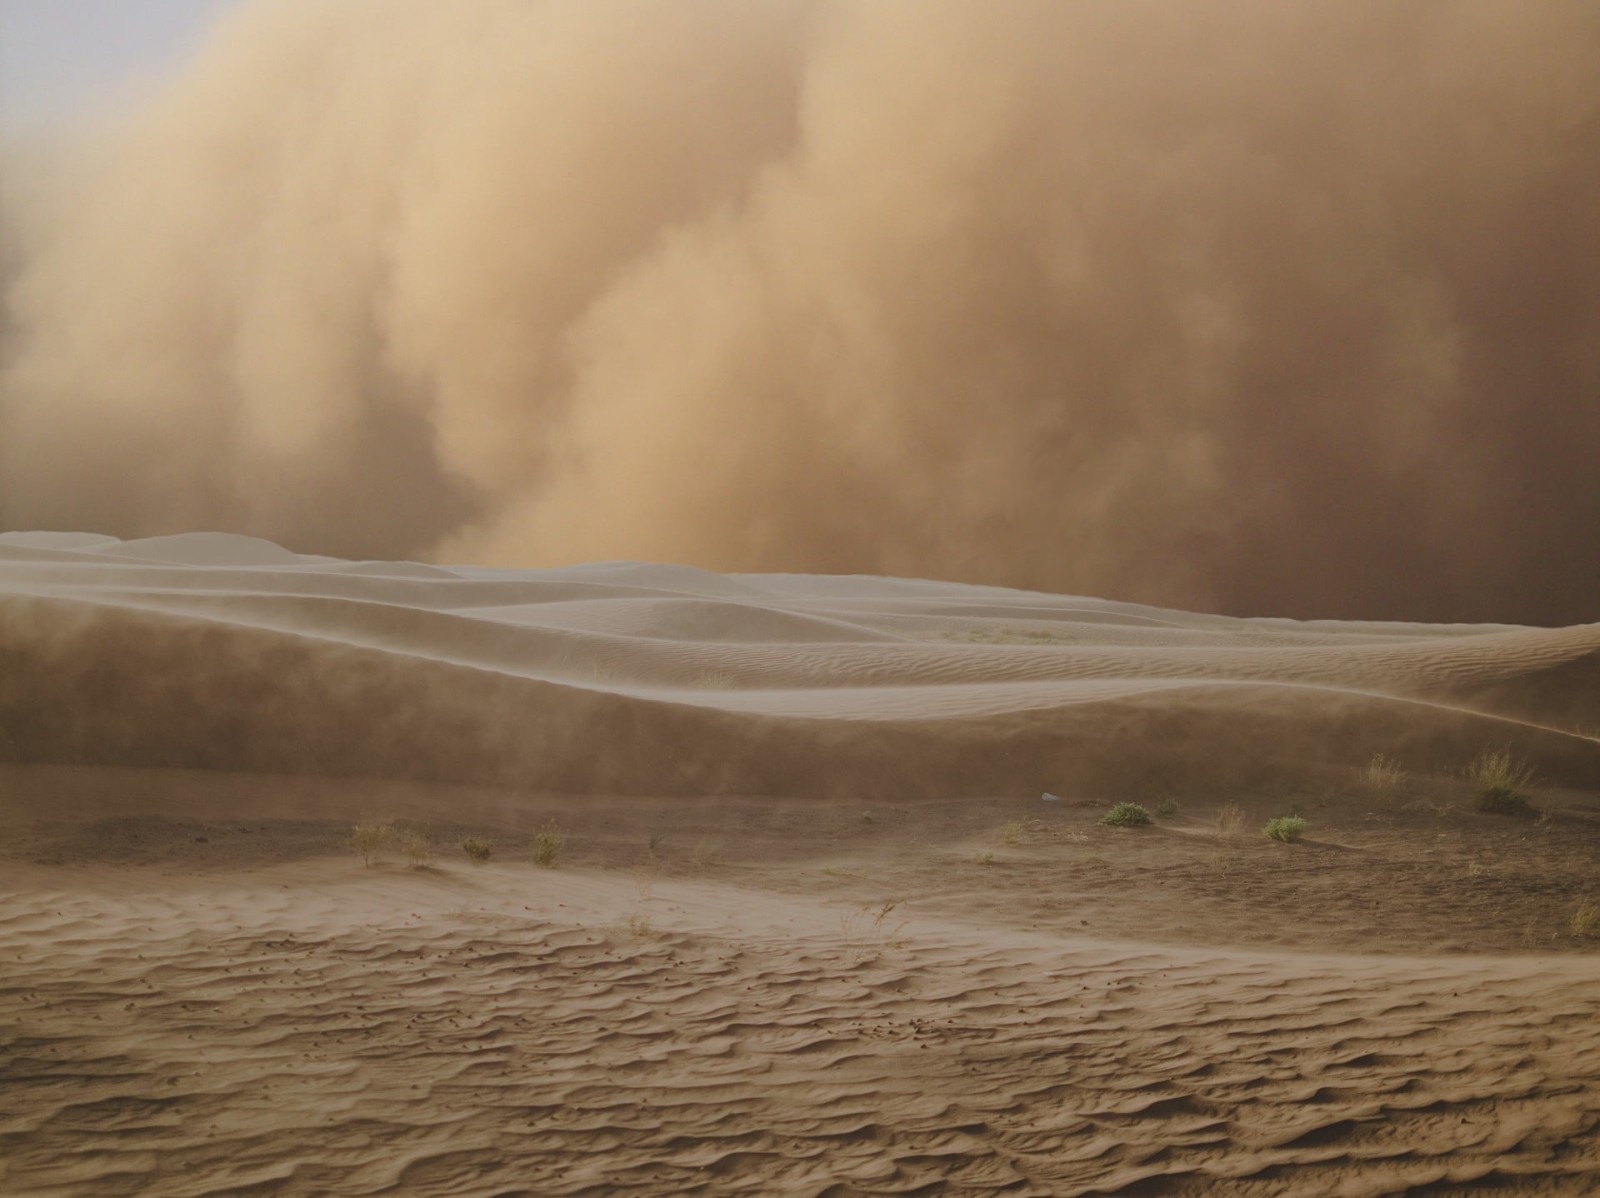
1241, 306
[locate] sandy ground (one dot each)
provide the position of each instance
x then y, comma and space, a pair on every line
812, 929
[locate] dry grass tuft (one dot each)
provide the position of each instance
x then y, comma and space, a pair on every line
414, 844
477, 848
869, 927
1499, 780
1230, 820
369, 838
1383, 774
1585, 921
639, 926
547, 845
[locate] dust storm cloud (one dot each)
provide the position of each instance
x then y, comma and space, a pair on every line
1244, 307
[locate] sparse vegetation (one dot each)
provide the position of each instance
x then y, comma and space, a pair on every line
1126, 815
640, 926
985, 858
869, 926
477, 848
1230, 819
1585, 921
1499, 779
1011, 834
1287, 828
1166, 809
1382, 774
370, 838
413, 842
547, 845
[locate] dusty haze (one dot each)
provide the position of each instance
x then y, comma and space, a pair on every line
1248, 307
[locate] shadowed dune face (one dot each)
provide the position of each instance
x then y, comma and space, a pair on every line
1242, 306
662, 681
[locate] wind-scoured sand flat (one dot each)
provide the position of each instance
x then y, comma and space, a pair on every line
811, 928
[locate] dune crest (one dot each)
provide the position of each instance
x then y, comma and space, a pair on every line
227, 652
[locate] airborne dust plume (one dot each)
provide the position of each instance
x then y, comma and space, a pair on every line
1238, 306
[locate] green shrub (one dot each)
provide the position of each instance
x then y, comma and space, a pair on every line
1287, 828
1167, 809
477, 848
1126, 815
547, 845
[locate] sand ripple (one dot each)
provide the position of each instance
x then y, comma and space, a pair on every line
373, 1037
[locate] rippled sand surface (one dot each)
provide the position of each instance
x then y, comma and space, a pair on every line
812, 928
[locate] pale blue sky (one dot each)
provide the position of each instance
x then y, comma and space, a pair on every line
62, 57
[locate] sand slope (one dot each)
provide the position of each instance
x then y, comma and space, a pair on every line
815, 931
229, 653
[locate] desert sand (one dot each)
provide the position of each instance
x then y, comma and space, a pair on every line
812, 926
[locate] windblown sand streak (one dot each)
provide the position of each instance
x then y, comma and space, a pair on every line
840, 686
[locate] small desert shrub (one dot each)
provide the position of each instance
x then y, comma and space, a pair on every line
1382, 773
1287, 828
1167, 809
1230, 819
547, 845
1126, 815
413, 842
1011, 834
640, 926
1586, 921
477, 849
1498, 781
370, 838
985, 858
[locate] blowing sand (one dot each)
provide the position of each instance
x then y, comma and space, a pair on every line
812, 928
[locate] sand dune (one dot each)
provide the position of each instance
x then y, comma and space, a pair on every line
229, 653
815, 931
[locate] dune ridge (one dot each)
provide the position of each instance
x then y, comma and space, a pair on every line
225, 652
